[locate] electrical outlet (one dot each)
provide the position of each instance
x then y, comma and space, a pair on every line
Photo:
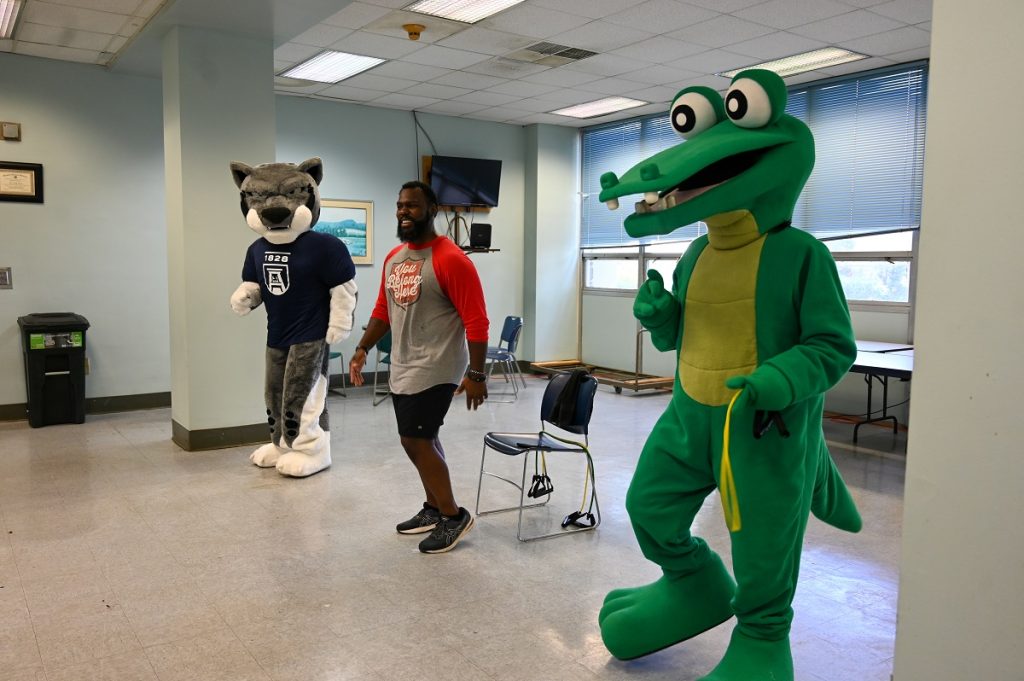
6, 278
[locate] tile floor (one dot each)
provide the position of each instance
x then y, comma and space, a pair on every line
124, 557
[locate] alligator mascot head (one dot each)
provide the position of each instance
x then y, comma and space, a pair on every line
741, 155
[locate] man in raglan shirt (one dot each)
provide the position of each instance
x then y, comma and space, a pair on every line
431, 300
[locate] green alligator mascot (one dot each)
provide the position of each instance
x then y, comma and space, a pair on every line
762, 329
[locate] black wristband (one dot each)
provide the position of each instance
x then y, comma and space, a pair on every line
365, 349
476, 376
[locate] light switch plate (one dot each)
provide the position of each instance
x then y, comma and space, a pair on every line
6, 278
10, 131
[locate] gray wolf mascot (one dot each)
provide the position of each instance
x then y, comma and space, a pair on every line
306, 281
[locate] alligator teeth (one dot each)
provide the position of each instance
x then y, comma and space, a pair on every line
612, 204
670, 201
651, 198
642, 207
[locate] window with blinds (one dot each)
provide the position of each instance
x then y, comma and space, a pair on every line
867, 179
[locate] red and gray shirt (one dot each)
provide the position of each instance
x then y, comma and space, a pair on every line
431, 296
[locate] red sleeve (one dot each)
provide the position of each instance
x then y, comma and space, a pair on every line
459, 281
380, 310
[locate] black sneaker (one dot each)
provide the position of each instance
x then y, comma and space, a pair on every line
424, 521
448, 533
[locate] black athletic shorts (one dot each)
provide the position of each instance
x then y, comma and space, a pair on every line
422, 414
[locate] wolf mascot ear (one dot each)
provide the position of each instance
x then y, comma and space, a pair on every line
306, 280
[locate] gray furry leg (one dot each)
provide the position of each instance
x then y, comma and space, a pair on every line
304, 406
273, 393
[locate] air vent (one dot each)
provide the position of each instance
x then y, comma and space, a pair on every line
550, 54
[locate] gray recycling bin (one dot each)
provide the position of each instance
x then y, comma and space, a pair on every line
54, 348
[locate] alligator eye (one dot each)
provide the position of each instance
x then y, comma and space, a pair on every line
748, 105
695, 110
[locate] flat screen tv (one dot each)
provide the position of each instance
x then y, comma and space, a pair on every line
465, 181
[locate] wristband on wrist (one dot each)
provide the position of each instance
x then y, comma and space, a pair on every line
476, 376
365, 349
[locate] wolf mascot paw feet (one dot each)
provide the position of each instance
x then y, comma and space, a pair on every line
752, 659
267, 455
303, 464
643, 620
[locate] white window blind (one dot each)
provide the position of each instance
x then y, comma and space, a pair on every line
869, 141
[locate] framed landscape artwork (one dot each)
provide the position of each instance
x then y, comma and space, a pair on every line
352, 222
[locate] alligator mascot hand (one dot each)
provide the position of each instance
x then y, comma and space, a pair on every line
306, 280
762, 330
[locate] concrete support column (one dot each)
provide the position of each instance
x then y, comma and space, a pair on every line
218, 107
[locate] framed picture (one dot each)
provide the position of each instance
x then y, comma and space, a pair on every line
352, 222
21, 182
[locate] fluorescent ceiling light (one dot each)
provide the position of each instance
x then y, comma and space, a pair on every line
8, 16
466, 11
799, 63
600, 107
330, 67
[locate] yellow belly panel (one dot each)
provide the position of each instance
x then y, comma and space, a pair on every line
719, 329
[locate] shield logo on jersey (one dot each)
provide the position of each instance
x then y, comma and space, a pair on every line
404, 282
275, 275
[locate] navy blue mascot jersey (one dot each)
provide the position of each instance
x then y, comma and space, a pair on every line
295, 282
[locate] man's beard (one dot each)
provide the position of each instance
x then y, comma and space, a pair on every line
418, 230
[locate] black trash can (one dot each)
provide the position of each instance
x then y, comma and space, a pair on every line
54, 346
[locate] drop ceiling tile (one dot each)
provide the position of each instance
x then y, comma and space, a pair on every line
521, 88
73, 17
530, 20
434, 28
594, 9
446, 57
309, 89
534, 105
485, 40
568, 97
113, 6
661, 75
890, 42
601, 36
453, 107
712, 61
404, 69
404, 101
864, 3
371, 81
606, 65
925, 26
850, 26
393, 4
725, 6
659, 49
132, 25
56, 52
661, 16
353, 94
471, 81
373, 45
720, 31
657, 93
322, 35
116, 43
855, 67
506, 68
356, 15
436, 91
776, 45
561, 77
788, 13
51, 35
610, 86
293, 53
486, 98
909, 55
148, 8
499, 114
907, 11
6, 45
540, 118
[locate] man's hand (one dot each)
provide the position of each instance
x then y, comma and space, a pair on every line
476, 392
355, 367
652, 302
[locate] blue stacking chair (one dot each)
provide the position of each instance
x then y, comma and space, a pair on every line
576, 423
503, 355
383, 348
